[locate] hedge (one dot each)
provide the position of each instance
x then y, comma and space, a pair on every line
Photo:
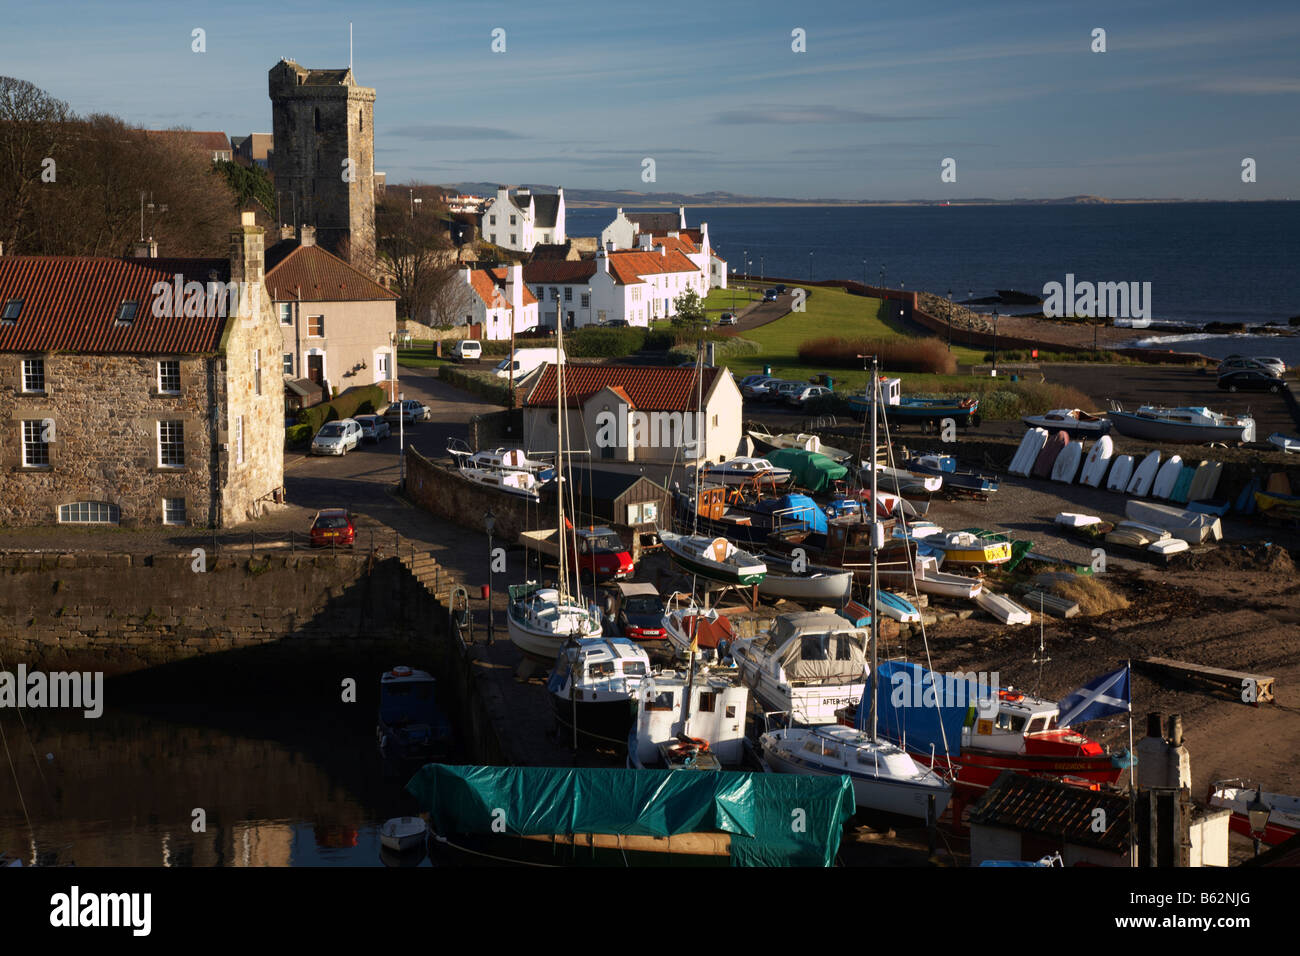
297, 435
360, 399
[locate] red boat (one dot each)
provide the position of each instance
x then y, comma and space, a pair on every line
1237, 795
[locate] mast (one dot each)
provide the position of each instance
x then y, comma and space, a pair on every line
559, 456
699, 424
875, 528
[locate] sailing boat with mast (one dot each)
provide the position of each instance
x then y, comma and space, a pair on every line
541, 620
885, 777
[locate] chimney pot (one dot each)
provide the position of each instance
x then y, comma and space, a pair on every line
306, 235
1176, 729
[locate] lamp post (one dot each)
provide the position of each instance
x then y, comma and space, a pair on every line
995, 343
1258, 811
401, 439
901, 288
950, 320
970, 317
746, 261
413, 202
810, 255
591, 305
762, 266
490, 522
733, 288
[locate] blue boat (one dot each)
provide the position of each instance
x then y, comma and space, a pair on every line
411, 725
922, 411
746, 521
975, 482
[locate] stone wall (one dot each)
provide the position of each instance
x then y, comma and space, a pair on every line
125, 612
441, 491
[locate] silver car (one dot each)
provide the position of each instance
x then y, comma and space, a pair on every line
373, 427
337, 438
408, 411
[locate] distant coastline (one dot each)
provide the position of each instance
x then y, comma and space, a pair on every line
632, 202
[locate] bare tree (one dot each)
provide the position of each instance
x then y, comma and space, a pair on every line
415, 250
32, 125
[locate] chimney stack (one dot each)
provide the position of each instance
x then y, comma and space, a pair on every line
514, 292
306, 235
248, 259
146, 250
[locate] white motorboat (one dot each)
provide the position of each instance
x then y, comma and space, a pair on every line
540, 620
930, 580
714, 558
1074, 421
885, 777
806, 665
593, 685
500, 459
813, 584
899, 481
403, 833
800, 441
1187, 425
747, 471
674, 728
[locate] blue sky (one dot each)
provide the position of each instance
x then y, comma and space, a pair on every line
715, 95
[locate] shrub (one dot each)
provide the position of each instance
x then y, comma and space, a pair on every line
478, 382
1093, 595
297, 435
896, 355
358, 400
723, 348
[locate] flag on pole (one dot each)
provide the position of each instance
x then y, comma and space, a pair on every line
1101, 696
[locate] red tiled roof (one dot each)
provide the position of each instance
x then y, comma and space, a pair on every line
646, 387
70, 303
680, 244
295, 270
487, 283
628, 267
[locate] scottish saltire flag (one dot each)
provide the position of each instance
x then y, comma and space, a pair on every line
1101, 696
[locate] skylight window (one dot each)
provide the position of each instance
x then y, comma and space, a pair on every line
13, 308
126, 312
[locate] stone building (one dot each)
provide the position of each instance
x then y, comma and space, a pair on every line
139, 391
324, 157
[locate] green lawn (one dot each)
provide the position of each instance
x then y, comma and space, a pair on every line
828, 312
729, 300
422, 355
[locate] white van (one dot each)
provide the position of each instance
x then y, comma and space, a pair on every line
527, 361
467, 350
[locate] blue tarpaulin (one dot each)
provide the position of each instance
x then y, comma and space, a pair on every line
920, 708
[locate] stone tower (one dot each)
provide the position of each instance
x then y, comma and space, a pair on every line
324, 159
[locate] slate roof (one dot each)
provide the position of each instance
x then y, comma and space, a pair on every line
550, 251
71, 303
294, 270
546, 207
649, 388
1054, 809
656, 222
560, 271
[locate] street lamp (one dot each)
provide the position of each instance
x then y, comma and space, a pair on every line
413, 202
901, 287
1258, 811
591, 305
490, 522
401, 438
995, 343
733, 288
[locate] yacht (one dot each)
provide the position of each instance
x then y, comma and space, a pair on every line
593, 684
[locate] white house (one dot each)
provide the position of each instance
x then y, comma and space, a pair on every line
622, 232
522, 219
500, 300
632, 413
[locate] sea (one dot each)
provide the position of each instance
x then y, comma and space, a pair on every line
1206, 261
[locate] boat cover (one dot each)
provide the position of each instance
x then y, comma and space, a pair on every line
754, 808
810, 470
797, 511
908, 699
825, 647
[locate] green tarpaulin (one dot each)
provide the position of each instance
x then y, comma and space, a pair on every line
810, 470
773, 819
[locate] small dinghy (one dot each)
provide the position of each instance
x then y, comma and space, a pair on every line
1070, 519
1167, 546
1094, 468
1046, 460
1134, 534
898, 608
812, 584
1120, 473
1003, 608
931, 580
714, 558
1144, 475
1285, 442
1066, 466
1027, 453
1170, 472
403, 833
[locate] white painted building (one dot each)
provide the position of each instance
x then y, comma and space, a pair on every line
521, 219
500, 300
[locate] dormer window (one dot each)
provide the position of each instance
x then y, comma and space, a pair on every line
126, 312
13, 308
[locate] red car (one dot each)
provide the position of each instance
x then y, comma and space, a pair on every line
601, 551
333, 526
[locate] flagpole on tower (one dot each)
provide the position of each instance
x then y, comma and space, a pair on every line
349, 44
1132, 774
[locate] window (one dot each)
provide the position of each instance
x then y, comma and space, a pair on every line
288, 363
555, 294
89, 512
708, 701
171, 444
239, 440
286, 313
173, 511
513, 241
661, 701
126, 313
731, 711
568, 294
34, 375
586, 301
512, 221
316, 326
13, 308
257, 372
492, 220
36, 448
169, 376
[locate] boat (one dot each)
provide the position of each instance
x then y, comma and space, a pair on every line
1098, 460
1135, 534
1277, 505
846, 547
592, 687
500, 459
412, 727
740, 471
725, 512
1066, 465
704, 629
892, 605
598, 816
810, 584
1003, 608
1120, 473
899, 481
1075, 422
1008, 730
922, 411
800, 441
1144, 474
1023, 460
714, 558
896, 505
806, 665
1184, 425
931, 580
1288, 443
974, 482
670, 728
810, 470
1206, 481
1167, 477
403, 833
1191, 526
1237, 795
965, 548
522, 484
540, 620
1046, 460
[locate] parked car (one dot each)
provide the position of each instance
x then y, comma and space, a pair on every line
641, 615
780, 289
616, 324
1269, 363
801, 395
784, 390
752, 379
337, 437
373, 427
1251, 380
408, 411
333, 526
727, 318
467, 350
757, 389
769, 295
